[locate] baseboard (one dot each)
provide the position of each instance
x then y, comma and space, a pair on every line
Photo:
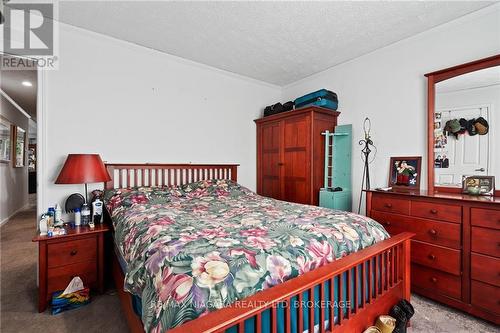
5, 220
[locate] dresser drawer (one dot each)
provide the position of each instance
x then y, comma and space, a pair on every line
436, 257
486, 241
437, 211
436, 281
485, 296
385, 203
485, 269
485, 217
65, 253
439, 233
59, 277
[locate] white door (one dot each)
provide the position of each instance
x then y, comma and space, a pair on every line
466, 155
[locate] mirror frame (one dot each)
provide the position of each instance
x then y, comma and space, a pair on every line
432, 79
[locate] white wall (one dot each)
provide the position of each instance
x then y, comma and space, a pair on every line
13, 181
389, 87
132, 104
488, 96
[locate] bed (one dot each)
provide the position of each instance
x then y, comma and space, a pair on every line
200, 253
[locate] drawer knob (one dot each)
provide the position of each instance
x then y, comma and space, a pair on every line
432, 257
281, 163
434, 280
388, 205
434, 211
433, 232
388, 223
73, 252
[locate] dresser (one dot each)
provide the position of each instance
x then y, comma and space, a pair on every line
291, 154
60, 258
455, 252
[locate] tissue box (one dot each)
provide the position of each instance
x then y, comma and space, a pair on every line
69, 301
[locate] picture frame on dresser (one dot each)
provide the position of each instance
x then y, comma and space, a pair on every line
404, 172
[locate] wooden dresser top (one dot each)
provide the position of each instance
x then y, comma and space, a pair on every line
442, 195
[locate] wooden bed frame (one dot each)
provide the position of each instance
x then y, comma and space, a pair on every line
387, 262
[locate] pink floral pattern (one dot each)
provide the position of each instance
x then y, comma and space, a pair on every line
199, 247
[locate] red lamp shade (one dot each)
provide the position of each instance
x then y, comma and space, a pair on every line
83, 169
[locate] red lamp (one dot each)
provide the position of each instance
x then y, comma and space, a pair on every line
83, 169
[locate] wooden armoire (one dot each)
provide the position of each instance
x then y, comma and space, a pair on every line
291, 154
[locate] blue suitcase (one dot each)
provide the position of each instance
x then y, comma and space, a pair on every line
323, 98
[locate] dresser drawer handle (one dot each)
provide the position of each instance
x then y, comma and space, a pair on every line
433, 232
434, 211
388, 223
388, 205
434, 280
73, 252
432, 257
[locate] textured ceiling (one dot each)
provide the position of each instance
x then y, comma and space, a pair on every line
276, 42
11, 84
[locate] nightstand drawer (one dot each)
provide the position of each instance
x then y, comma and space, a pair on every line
391, 205
58, 278
437, 211
65, 253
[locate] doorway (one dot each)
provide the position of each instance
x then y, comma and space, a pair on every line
19, 115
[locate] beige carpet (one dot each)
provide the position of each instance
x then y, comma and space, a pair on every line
18, 296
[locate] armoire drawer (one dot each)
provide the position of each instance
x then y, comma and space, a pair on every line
485, 296
483, 217
437, 211
434, 232
436, 281
486, 241
436, 257
391, 205
485, 269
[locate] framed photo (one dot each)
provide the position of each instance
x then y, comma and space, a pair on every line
19, 147
5, 141
405, 172
478, 185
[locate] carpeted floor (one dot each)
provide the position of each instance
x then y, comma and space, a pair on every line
18, 296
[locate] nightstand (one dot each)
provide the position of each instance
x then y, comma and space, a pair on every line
60, 258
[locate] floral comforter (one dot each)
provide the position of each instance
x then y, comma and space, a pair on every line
202, 246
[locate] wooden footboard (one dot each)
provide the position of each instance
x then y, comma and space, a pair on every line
381, 278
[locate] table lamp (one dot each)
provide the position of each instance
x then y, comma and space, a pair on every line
83, 169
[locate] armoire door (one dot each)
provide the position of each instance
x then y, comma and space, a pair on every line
296, 158
269, 160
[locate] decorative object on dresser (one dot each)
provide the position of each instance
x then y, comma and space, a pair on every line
336, 192
479, 185
291, 154
404, 172
80, 252
83, 169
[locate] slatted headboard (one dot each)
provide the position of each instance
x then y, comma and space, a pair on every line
152, 175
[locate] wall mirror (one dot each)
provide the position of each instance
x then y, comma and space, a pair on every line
5, 141
19, 147
463, 120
